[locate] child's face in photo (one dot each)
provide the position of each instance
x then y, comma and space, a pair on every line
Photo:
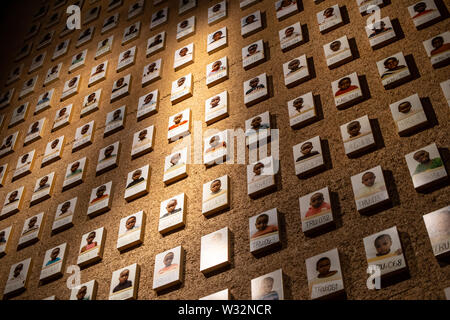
422, 156
81, 293
108, 151
216, 36
172, 205
215, 101
306, 148
168, 259
289, 32
116, 114
298, 104
344, 83
214, 141
184, 24
294, 65
100, 191
404, 107
252, 49
90, 237
131, 222
261, 222
420, 7
181, 81
257, 169
250, 19
383, 245
137, 174
75, 166
256, 123
43, 181
148, 98
175, 158
335, 46
24, 158
55, 143
13, 196
100, 68
267, 285
323, 266
126, 54
72, 82
62, 112
328, 12
254, 82
85, 129
32, 222
151, 67
391, 63
119, 82
316, 200
124, 276
18, 269
178, 118
437, 42
142, 135
215, 186
65, 207
55, 253
368, 179
216, 7
216, 66
353, 128
183, 52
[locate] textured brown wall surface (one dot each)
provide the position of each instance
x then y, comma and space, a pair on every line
427, 279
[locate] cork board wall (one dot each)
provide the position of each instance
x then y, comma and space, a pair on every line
427, 278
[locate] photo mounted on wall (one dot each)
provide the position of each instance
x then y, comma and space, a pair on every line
215, 250
62, 117
217, 40
179, 125
308, 157
18, 277
53, 265
98, 73
186, 28
138, 183
53, 151
135, 9
183, 56
290, 36
175, 167
100, 200
28, 87
316, 211
253, 54
338, 52
75, 173
3, 169
126, 59
110, 23
143, 142
221, 295
84, 292
437, 224
121, 88
159, 17
369, 189
156, 43
384, 249
130, 33
64, 215
257, 129
172, 214
347, 91
152, 72
115, 121
43, 188
124, 283
44, 101
78, 60
5, 235
15, 74
131, 231
251, 24
217, 12
380, 33
329, 19
438, 49
5, 98
255, 90
91, 103
186, 5
216, 196
393, 70
31, 230
85, 36
112, 4
216, 149
357, 136
260, 177
91, 15
24, 165
104, 47
285, 8
108, 158
408, 114
264, 231
147, 105
168, 268
8, 144
45, 40
426, 167
296, 71
324, 275
181, 89
301, 110
268, 286
70, 87
217, 71
91, 247
19, 115
12, 203
424, 13
216, 108
83, 136
61, 49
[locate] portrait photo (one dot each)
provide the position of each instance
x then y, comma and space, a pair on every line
91, 247
53, 265
24, 165
181, 89
84, 292
156, 43
290, 36
152, 72
438, 49
346, 91
329, 19
175, 166
264, 231
260, 176
255, 89
216, 108
369, 188
104, 47
159, 17
124, 283
75, 173
18, 277
131, 33
126, 59
78, 60
83, 136
108, 158
31, 230
171, 214
143, 142
100, 200
183, 56
316, 210
168, 268
337, 52
138, 183
301, 110
98, 73
185, 28
217, 12
257, 129
408, 114
91, 103
147, 105
393, 70
217, 40
71, 87
64, 215
85, 36
44, 101
43, 188
179, 125
12, 203
251, 24
308, 156
110, 23
380, 32
217, 71
423, 13
268, 286
215, 196
131, 231
121, 88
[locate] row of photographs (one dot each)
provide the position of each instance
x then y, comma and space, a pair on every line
383, 250
369, 187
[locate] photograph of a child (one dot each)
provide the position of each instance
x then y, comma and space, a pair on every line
308, 155
44, 101
135, 9
104, 47
61, 49
285, 8
357, 135
159, 17
337, 51
290, 36
24, 164
74, 173
124, 282
393, 68
126, 59
254, 86
85, 292
423, 12
183, 56
408, 113
12, 201
369, 188
255, 89
168, 268
181, 88
142, 141
301, 109
156, 43
130, 33
98, 73
216, 148
438, 228
346, 89
316, 209
179, 125
253, 54
329, 18
186, 28
380, 31
53, 257
31, 229
137, 183
100, 199
71, 87
217, 40
217, 12
216, 107
91, 102
264, 230
152, 72
324, 274
217, 71
251, 23
43, 186
91, 241
8, 144
317, 204
257, 129
215, 195
37, 61
15, 74
260, 175
112, 4
175, 165
438, 48
110, 23
171, 213
121, 87
4, 238
214, 250
363, 5
65, 209
425, 166
18, 276
45, 40
108, 157
53, 150
19, 114
78, 60
5, 97
85, 36
28, 87
62, 117
83, 135
268, 286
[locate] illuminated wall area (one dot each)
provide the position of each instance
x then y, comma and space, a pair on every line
225, 149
